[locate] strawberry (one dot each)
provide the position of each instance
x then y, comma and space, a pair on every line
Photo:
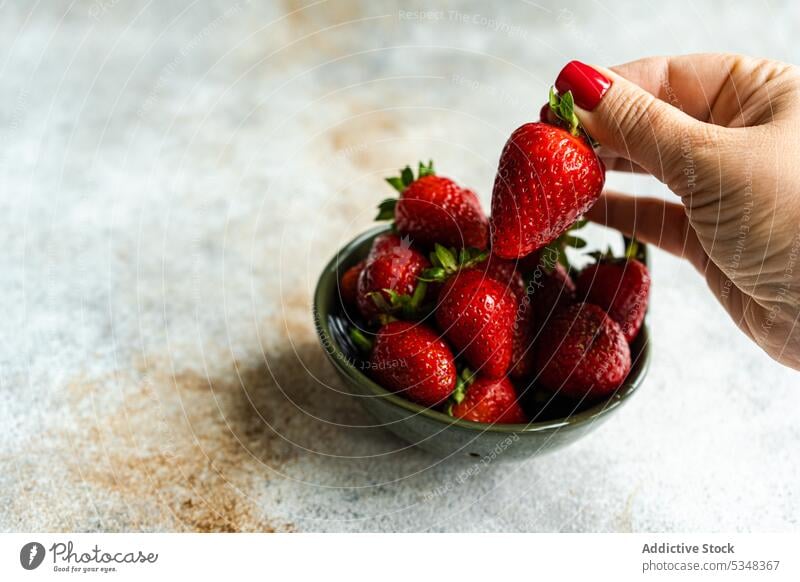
522, 350
621, 287
506, 272
549, 283
411, 359
582, 353
528, 263
542, 404
547, 178
433, 209
477, 315
388, 280
487, 400
348, 284
551, 289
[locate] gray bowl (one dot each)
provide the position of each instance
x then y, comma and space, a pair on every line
555, 423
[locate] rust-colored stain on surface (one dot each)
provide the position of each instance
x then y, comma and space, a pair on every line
153, 449
182, 449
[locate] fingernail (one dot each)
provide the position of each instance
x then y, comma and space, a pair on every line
587, 85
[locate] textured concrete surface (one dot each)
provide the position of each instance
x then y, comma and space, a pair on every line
174, 176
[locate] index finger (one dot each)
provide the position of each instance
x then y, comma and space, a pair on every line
693, 83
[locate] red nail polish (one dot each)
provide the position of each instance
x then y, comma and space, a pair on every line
587, 85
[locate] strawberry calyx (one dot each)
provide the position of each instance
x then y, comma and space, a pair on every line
400, 183
386, 209
463, 381
563, 106
633, 250
407, 306
447, 262
406, 177
606, 255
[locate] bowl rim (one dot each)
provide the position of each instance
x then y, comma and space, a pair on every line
341, 361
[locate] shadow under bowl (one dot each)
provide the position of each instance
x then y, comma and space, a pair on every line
434, 431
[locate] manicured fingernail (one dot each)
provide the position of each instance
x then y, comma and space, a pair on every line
587, 85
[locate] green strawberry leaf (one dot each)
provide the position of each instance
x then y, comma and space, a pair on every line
407, 306
563, 106
633, 250
447, 262
380, 301
384, 318
432, 275
473, 257
554, 100
396, 183
463, 382
407, 176
426, 170
445, 257
386, 209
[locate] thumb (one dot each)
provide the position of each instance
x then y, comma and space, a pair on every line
629, 120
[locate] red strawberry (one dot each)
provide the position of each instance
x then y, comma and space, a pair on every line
547, 178
348, 284
488, 400
582, 353
476, 313
528, 263
523, 352
391, 271
506, 272
432, 209
621, 287
550, 289
411, 359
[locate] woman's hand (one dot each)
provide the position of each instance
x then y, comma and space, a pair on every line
723, 133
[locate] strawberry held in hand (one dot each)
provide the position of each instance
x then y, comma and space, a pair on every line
582, 353
433, 209
547, 178
388, 280
412, 360
621, 286
482, 399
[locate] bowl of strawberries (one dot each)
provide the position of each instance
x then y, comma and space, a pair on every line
472, 335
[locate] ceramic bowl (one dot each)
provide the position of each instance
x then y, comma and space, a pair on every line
555, 423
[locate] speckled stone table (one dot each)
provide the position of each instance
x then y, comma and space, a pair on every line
175, 175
